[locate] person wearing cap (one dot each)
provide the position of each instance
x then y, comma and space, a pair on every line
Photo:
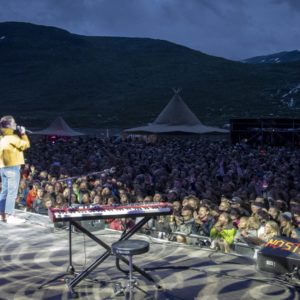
236, 202
12, 146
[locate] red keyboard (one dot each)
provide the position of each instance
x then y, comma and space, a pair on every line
95, 212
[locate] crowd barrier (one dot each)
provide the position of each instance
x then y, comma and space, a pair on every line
190, 239
203, 242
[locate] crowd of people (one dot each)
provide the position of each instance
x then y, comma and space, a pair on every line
228, 193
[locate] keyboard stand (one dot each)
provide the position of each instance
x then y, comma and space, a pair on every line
77, 279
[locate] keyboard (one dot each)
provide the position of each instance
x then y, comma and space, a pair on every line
96, 212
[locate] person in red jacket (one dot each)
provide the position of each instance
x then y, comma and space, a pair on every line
31, 196
121, 224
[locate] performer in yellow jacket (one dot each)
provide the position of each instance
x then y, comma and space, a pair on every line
13, 141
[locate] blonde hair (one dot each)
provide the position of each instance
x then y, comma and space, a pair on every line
246, 219
253, 223
226, 205
274, 227
226, 216
7, 122
287, 229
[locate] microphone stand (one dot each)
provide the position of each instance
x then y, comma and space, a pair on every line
70, 269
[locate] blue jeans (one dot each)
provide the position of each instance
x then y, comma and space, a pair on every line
10, 178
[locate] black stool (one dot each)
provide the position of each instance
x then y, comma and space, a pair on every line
130, 248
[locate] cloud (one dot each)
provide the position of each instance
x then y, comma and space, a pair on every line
232, 29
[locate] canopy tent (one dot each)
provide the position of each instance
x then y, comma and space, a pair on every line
176, 117
59, 127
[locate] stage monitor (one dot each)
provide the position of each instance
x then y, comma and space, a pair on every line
280, 255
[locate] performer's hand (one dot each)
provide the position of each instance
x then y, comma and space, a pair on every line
21, 129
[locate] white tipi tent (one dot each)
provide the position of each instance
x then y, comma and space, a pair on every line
59, 128
176, 117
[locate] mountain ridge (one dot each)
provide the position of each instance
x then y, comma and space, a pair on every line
124, 82
279, 57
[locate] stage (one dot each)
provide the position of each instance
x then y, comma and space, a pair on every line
34, 252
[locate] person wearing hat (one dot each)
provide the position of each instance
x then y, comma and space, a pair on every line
12, 145
236, 203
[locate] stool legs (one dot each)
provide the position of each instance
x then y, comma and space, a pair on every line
130, 285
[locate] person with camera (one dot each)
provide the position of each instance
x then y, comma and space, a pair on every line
13, 141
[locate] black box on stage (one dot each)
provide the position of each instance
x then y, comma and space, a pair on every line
280, 255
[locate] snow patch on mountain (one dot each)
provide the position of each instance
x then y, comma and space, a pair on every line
289, 96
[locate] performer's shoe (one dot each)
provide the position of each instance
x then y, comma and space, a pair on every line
11, 219
3, 217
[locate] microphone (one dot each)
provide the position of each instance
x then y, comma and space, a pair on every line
110, 171
103, 172
26, 130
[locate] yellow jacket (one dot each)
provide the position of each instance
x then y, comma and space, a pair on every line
12, 147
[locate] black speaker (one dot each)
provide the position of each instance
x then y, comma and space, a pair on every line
280, 256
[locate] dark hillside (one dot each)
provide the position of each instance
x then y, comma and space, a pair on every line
121, 82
